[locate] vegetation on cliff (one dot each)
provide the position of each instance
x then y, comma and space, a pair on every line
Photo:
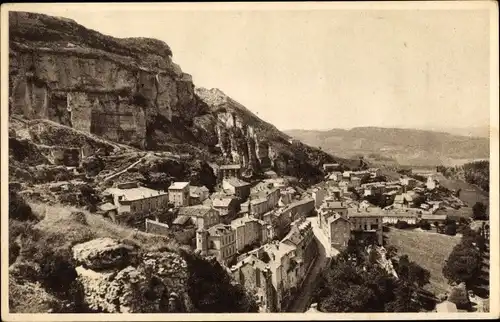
42, 265
476, 173
354, 282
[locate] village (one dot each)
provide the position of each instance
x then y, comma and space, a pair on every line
269, 233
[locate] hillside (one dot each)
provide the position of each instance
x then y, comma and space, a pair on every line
89, 110
130, 91
404, 146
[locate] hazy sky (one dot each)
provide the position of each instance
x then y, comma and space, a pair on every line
330, 68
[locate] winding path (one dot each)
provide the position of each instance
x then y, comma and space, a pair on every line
114, 175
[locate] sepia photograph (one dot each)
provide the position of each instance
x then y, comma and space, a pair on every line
234, 161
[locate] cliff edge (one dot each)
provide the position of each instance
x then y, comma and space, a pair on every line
131, 92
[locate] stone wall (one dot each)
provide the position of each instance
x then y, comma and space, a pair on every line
158, 228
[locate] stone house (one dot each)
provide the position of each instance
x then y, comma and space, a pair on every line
367, 223
156, 227
408, 182
108, 210
344, 186
335, 227
334, 177
318, 194
218, 241
200, 216
285, 271
328, 167
198, 195
179, 194
441, 219
262, 201
248, 231
391, 218
355, 181
332, 205
404, 200
229, 170
227, 206
256, 276
132, 198
237, 187
301, 237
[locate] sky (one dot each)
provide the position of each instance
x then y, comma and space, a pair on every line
312, 69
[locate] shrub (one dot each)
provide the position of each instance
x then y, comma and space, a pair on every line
93, 165
17, 229
79, 217
458, 295
479, 211
425, 225
450, 229
89, 197
401, 224
211, 289
19, 209
186, 237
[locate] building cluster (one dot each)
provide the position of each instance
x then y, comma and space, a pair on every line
341, 219
275, 271
237, 218
258, 230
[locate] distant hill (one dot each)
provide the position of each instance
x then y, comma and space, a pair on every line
477, 131
394, 145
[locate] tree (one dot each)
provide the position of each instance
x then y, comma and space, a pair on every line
424, 224
450, 229
211, 289
401, 224
89, 197
463, 264
348, 286
479, 211
412, 272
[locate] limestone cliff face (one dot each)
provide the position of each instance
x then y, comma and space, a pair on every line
80, 78
130, 91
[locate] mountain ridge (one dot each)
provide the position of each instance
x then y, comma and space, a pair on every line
404, 146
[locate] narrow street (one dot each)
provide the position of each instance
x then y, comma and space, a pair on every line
302, 302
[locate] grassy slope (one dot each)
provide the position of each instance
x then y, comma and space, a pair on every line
58, 221
470, 197
428, 249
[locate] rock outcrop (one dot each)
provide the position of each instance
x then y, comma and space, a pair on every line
130, 91
115, 279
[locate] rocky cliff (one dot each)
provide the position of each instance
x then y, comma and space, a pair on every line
117, 280
130, 91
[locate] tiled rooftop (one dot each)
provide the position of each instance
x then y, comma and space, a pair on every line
135, 193
194, 211
178, 185
219, 230
235, 182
